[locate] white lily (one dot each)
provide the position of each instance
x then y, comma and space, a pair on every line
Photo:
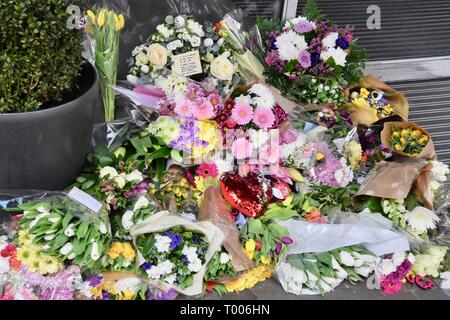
66, 249
69, 232
49, 238
135, 176
94, 252
108, 171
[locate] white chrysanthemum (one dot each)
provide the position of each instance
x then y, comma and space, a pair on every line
224, 258
265, 101
166, 267
259, 90
398, 258
421, 219
339, 56
439, 171
290, 44
387, 267
170, 279
195, 265
162, 243
330, 40
243, 99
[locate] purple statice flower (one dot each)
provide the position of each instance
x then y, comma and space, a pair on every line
175, 240
341, 42
315, 45
304, 58
146, 266
304, 26
321, 68
185, 260
156, 294
271, 37
273, 60
95, 280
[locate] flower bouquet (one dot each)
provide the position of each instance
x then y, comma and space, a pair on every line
104, 27
310, 60
66, 230
314, 273
393, 270
190, 49
174, 252
120, 257
372, 100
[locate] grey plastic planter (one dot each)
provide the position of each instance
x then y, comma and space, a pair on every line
46, 149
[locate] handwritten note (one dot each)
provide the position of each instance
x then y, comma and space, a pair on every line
187, 64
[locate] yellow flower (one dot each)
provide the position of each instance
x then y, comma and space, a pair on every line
97, 291
403, 140
120, 22
250, 246
398, 147
422, 140
91, 17
101, 18
405, 132
249, 278
35, 265
416, 133
200, 183
364, 93
128, 251
49, 265
360, 102
115, 250
319, 156
26, 254
265, 260
126, 295
25, 238
396, 134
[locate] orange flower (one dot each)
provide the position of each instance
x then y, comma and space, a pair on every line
14, 264
314, 216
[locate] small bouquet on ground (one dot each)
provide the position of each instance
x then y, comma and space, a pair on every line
310, 60
314, 273
104, 27
219, 266
393, 270
408, 140
372, 100
120, 257
190, 49
66, 230
174, 252
120, 286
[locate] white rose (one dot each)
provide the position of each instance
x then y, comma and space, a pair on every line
195, 27
145, 68
142, 202
136, 176
347, 259
174, 45
208, 42
195, 41
120, 181
69, 232
141, 59
127, 221
164, 30
108, 171
157, 56
222, 68
132, 79
224, 258
94, 252
179, 21
66, 249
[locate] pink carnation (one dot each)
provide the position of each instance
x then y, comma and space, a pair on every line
264, 118
242, 113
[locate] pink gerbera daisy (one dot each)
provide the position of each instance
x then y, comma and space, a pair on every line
242, 113
215, 99
264, 118
204, 110
241, 148
206, 170
184, 108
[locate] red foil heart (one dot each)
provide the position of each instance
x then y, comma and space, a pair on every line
245, 194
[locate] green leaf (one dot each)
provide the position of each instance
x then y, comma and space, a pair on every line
296, 261
374, 205
255, 226
66, 220
324, 257
82, 229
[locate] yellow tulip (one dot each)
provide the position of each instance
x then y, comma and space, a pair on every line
403, 140
120, 22
265, 260
396, 134
91, 16
398, 147
250, 246
405, 133
101, 18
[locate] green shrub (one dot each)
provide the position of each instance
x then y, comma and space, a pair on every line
39, 56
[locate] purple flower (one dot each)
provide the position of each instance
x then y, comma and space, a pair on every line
240, 220
175, 240
304, 26
185, 259
287, 240
304, 58
95, 280
156, 294
146, 266
196, 240
105, 295
315, 57
341, 42
271, 253
278, 248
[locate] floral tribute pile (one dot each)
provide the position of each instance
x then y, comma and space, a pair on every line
224, 186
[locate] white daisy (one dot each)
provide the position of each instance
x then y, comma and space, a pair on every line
290, 44
330, 40
421, 219
264, 101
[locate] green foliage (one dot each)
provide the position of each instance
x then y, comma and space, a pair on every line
39, 56
311, 11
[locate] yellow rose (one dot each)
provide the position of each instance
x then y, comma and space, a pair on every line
128, 251
396, 134
115, 250
405, 132
250, 246
398, 147
157, 55
364, 93
416, 133
403, 140
222, 68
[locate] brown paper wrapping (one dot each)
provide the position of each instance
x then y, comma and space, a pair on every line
427, 152
396, 179
215, 209
364, 115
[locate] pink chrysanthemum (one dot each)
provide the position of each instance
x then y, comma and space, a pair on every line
184, 108
241, 148
206, 170
242, 113
204, 110
215, 99
263, 118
